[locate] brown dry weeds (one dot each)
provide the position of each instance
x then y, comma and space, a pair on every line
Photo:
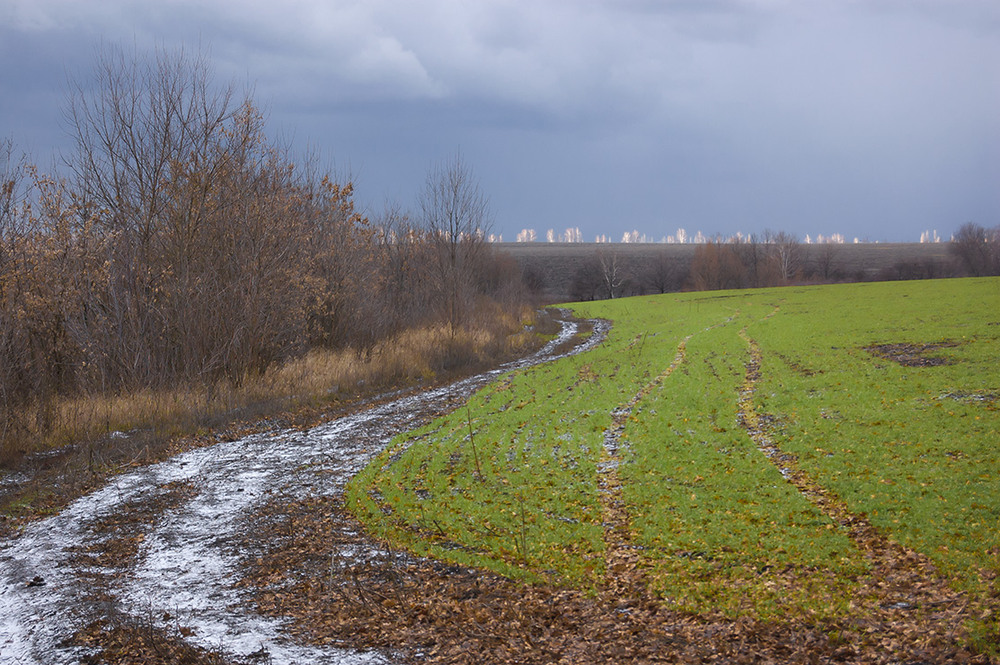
120, 639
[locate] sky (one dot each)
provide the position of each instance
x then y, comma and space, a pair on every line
872, 119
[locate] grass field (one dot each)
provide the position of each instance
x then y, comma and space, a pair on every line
778, 452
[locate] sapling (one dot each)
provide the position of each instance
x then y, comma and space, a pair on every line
472, 440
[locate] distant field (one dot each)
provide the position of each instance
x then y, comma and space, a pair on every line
789, 452
556, 263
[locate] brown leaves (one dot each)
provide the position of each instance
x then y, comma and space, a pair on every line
122, 640
444, 614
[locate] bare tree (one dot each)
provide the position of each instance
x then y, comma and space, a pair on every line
663, 274
587, 280
201, 218
785, 253
457, 216
12, 347
141, 124
147, 131
977, 249
826, 267
13, 172
612, 272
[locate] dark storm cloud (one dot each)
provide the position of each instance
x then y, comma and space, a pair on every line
874, 119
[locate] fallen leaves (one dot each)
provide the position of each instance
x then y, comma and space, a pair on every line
430, 612
121, 640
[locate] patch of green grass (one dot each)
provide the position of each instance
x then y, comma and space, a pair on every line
913, 447
511, 483
721, 526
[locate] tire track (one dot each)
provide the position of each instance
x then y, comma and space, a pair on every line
624, 577
901, 579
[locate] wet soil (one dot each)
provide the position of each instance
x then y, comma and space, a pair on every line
912, 355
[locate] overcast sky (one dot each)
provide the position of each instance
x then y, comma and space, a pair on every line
876, 119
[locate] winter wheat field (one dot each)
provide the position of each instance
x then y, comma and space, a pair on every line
780, 475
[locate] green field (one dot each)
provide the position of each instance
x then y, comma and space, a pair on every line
884, 398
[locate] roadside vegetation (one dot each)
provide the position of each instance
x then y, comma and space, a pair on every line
814, 455
185, 265
184, 279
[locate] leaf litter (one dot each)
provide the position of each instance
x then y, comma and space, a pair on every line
427, 611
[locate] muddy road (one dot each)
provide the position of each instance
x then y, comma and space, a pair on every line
158, 546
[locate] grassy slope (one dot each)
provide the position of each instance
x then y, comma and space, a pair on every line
911, 447
914, 447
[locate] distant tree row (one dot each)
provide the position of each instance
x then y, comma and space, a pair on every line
771, 259
774, 259
182, 245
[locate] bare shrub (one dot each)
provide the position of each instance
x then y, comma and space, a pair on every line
717, 265
977, 250
586, 283
195, 212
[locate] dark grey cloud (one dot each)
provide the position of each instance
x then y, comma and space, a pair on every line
875, 119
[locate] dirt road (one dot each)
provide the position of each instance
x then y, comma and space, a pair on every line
157, 547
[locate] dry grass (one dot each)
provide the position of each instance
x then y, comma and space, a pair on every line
94, 434
322, 375
413, 356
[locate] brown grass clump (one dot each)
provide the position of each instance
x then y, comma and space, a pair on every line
320, 376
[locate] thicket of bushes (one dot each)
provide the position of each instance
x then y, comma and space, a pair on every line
183, 247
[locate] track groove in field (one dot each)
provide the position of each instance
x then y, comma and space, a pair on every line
623, 574
903, 592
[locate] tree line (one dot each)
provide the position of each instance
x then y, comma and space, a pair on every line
768, 259
182, 245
